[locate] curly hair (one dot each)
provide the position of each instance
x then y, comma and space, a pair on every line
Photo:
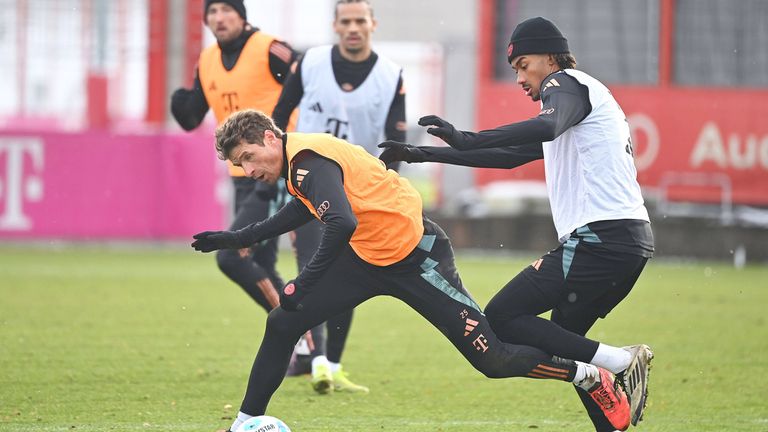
248, 125
565, 60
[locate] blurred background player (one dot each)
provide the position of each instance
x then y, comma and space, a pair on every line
263, 63
353, 93
598, 210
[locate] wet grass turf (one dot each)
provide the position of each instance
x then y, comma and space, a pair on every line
148, 339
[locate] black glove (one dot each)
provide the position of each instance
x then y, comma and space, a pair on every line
186, 110
395, 151
290, 296
180, 96
209, 241
445, 131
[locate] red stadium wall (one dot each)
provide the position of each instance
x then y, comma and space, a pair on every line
717, 133
690, 142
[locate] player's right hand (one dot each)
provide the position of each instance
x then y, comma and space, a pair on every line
209, 241
395, 151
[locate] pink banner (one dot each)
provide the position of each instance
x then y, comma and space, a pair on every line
98, 185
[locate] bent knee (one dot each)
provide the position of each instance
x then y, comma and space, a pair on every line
224, 258
279, 322
228, 260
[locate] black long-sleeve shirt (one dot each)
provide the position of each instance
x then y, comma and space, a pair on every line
504, 157
189, 106
349, 75
323, 186
565, 104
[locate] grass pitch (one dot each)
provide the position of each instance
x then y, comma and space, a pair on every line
94, 339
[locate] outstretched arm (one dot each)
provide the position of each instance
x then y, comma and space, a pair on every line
506, 157
288, 218
564, 105
291, 216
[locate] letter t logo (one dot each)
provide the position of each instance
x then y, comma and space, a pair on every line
15, 186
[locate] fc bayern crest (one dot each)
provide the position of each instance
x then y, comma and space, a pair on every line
509, 49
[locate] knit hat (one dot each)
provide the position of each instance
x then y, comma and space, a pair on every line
536, 36
236, 5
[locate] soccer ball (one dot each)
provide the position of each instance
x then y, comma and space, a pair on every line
263, 424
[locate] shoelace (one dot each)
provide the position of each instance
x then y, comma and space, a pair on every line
619, 382
604, 398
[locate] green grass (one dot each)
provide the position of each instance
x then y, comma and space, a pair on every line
94, 339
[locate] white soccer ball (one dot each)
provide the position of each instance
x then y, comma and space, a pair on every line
263, 424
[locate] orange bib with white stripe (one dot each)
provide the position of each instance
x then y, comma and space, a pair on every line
388, 209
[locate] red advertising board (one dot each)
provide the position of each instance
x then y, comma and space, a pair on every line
690, 142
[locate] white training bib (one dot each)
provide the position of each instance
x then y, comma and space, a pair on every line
357, 116
589, 169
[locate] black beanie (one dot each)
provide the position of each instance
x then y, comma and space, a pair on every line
236, 5
536, 36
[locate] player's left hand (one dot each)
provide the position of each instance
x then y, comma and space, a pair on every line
445, 131
290, 296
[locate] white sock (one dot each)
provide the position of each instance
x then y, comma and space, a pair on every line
612, 358
319, 360
586, 375
241, 418
335, 367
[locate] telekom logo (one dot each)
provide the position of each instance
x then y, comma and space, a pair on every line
16, 185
